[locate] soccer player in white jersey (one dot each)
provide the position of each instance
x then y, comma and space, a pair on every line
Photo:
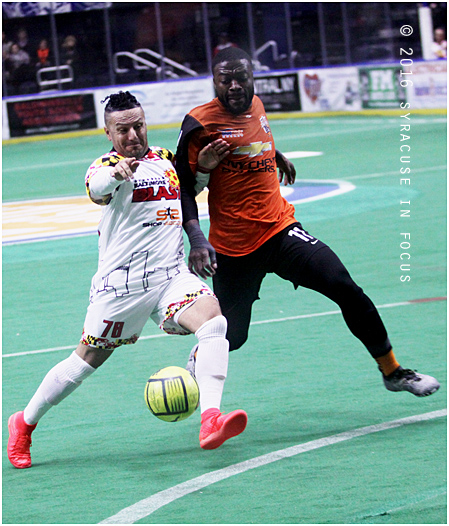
141, 275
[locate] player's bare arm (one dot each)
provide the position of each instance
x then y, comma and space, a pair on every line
202, 258
287, 171
212, 155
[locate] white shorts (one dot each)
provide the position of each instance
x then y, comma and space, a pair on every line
112, 321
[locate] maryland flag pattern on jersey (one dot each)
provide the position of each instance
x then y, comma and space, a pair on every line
162, 153
110, 159
173, 308
172, 176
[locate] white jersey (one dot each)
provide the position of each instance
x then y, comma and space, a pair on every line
140, 243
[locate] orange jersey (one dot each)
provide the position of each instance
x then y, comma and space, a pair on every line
245, 204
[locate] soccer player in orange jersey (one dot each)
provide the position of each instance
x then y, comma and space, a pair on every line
227, 145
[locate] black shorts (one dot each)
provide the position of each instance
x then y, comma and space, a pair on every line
238, 280
285, 254
298, 257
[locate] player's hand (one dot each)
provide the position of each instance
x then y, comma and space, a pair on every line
202, 257
287, 171
124, 170
212, 154
203, 261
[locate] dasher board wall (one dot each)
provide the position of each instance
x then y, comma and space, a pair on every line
406, 84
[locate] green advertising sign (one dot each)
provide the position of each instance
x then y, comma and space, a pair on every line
380, 87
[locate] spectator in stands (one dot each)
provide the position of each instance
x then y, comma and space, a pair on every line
23, 40
439, 46
43, 54
17, 57
18, 66
6, 46
223, 42
69, 54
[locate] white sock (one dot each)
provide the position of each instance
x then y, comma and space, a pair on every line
212, 361
59, 382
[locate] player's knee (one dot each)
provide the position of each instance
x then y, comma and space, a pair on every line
348, 289
214, 328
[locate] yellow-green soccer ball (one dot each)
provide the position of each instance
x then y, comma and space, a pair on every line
172, 394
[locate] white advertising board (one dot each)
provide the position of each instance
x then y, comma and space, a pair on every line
429, 88
5, 123
332, 89
163, 102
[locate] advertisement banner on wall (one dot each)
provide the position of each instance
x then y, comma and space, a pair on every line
333, 89
51, 115
380, 87
278, 92
164, 102
428, 87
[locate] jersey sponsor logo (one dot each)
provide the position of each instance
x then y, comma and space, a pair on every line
264, 123
168, 213
254, 149
151, 193
230, 132
262, 165
155, 189
166, 216
145, 183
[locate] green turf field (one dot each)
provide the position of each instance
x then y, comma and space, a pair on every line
309, 387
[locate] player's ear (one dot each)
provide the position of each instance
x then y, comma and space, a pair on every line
108, 133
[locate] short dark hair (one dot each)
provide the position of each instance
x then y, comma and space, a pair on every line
123, 100
230, 53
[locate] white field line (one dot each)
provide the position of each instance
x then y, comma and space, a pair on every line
147, 506
260, 322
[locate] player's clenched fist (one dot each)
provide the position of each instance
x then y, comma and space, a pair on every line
124, 170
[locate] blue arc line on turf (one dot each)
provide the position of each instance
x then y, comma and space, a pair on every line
260, 322
147, 506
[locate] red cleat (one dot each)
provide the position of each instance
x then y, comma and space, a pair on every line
216, 428
19, 442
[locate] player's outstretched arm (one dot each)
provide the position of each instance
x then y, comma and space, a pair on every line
202, 258
103, 182
287, 171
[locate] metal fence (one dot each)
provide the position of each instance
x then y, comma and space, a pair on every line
115, 43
